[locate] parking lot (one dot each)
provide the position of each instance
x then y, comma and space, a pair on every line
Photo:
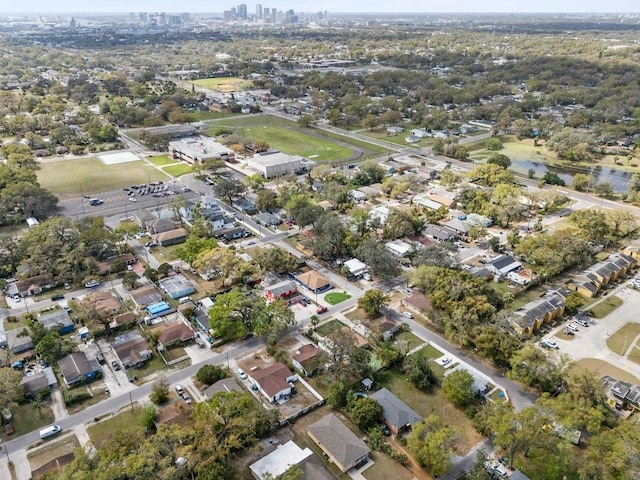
590, 342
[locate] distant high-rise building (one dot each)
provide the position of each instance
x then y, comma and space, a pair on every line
229, 15
274, 15
259, 11
241, 11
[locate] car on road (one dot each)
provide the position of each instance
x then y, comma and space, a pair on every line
133, 199
408, 314
549, 343
242, 374
573, 327
92, 284
57, 297
581, 321
115, 365
321, 310
252, 242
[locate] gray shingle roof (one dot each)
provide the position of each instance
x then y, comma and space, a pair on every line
338, 440
394, 410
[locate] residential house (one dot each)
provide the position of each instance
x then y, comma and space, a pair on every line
33, 285
18, 343
339, 443
217, 221
439, 233
399, 248
502, 265
531, 316
268, 219
77, 368
171, 237
143, 218
274, 381
279, 461
397, 415
160, 225
145, 296
314, 281
225, 385
459, 227
412, 139
327, 205
280, 290
305, 359
106, 267
394, 129
355, 267
383, 329
177, 412
122, 319
379, 214
477, 220
34, 384
419, 132
596, 277
103, 302
132, 349
357, 196
426, 201
622, 394
176, 334
57, 320
417, 303
177, 286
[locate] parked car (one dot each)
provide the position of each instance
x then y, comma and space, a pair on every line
582, 321
186, 398
179, 390
92, 284
408, 314
57, 297
133, 199
549, 343
385, 430
321, 310
241, 374
115, 365
573, 327
101, 359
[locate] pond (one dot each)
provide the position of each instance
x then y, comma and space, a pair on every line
620, 179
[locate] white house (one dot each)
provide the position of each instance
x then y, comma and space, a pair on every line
399, 248
380, 213
356, 267
277, 462
395, 129
419, 132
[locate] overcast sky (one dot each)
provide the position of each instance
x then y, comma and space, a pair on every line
423, 6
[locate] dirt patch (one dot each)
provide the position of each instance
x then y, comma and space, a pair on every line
55, 465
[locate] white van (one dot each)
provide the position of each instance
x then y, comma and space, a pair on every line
184, 300
50, 431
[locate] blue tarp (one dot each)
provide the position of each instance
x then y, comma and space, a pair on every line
158, 308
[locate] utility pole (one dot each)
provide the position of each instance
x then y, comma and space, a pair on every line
589, 181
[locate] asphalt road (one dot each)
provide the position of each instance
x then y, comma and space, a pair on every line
114, 404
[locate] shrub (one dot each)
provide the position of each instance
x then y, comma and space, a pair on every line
210, 374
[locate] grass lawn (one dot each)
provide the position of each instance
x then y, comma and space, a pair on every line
174, 353
26, 419
407, 339
429, 351
162, 160
432, 403
22, 322
498, 396
177, 170
385, 468
165, 254
126, 421
605, 307
97, 389
527, 296
623, 338
634, 355
358, 315
285, 136
212, 115
153, 365
601, 368
329, 327
67, 178
223, 84
52, 450
334, 298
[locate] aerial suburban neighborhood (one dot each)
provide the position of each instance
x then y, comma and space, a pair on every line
282, 245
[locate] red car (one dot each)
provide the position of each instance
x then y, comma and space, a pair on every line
321, 309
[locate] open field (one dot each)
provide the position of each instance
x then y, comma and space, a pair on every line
430, 403
26, 419
601, 368
407, 339
623, 338
177, 170
285, 136
162, 160
68, 178
52, 450
223, 84
334, 298
385, 468
127, 420
605, 307
329, 327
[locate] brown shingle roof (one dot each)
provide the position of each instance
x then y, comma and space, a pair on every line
273, 378
177, 331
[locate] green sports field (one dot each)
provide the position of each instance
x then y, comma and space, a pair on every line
285, 136
226, 84
67, 178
